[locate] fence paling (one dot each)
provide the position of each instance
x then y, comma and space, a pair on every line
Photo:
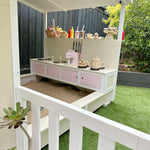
110, 131
53, 131
76, 134
105, 143
36, 134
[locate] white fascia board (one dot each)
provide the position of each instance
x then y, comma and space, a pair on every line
60, 8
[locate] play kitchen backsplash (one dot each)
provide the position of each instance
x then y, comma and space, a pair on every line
74, 57
74, 54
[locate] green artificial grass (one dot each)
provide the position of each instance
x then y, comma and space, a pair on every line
131, 107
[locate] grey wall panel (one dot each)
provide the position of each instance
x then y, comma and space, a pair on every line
91, 18
30, 34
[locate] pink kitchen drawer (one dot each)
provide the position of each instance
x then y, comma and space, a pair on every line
90, 80
38, 68
53, 72
69, 75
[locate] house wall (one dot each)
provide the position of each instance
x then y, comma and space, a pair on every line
7, 137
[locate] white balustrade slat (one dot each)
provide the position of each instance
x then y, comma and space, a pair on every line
53, 131
105, 143
110, 130
144, 142
75, 137
36, 134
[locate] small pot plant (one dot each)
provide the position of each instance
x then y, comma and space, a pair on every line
15, 119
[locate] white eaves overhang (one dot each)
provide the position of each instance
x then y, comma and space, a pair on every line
64, 5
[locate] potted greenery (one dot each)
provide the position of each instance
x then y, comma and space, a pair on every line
15, 119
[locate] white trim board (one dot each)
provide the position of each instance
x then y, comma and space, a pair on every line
64, 5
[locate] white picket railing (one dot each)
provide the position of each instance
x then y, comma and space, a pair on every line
109, 131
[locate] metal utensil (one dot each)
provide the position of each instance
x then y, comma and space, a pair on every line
73, 45
81, 45
76, 46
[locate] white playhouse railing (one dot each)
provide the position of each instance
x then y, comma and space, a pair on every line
109, 131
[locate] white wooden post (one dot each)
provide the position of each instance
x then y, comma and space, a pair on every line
20, 137
36, 131
76, 134
143, 142
105, 144
15, 44
121, 22
53, 131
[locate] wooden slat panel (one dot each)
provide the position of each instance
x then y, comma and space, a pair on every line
36, 134
87, 21
76, 134
66, 25
79, 18
25, 35
32, 35
39, 35
105, 144
53, 131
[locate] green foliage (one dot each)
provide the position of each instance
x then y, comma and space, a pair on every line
137, 39
137, 32
114, 14
14, 118
14, 148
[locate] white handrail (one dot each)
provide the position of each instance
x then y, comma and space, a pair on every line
108, 130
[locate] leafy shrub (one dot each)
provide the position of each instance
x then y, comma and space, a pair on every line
137, 39
137, 32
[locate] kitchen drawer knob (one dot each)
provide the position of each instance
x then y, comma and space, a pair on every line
76, 77
82, 78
